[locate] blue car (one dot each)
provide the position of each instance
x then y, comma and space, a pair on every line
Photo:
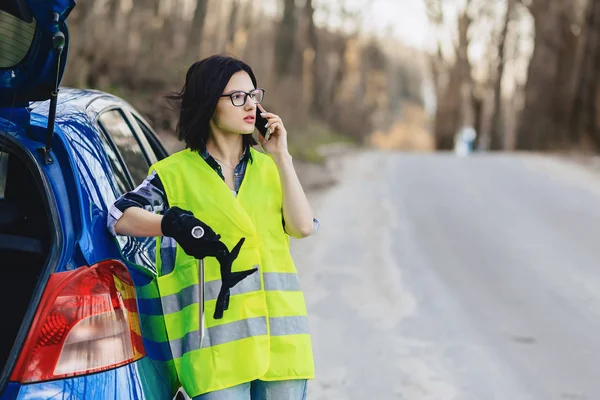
80, 319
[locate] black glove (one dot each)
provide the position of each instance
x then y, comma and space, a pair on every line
198, 240
195, 237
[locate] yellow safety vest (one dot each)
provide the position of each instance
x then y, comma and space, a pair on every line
264, 333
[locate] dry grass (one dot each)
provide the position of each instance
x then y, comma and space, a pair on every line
409, 133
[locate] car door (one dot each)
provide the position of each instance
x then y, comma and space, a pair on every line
130, 154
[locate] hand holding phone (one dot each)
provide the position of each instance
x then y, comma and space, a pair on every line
261, 123
273, 138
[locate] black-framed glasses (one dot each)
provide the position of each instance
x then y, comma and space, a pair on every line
239, 98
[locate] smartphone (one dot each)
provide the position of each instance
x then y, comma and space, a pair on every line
260, 123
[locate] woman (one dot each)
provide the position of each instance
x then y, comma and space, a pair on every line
222, 201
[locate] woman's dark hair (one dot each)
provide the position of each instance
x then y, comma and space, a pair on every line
204, 84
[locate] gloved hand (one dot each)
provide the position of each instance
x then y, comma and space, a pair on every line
199, 240
195, 237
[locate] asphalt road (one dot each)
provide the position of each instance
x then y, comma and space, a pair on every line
436, 277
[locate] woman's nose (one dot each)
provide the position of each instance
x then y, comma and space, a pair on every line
249, 105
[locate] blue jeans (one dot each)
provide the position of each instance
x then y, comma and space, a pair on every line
260, 390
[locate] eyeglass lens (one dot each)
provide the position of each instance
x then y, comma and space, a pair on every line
239, 98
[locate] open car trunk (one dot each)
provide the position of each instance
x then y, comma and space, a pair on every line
27, 237
34, 42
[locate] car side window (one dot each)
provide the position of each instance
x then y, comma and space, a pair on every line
113, 122
157, 149
120, 173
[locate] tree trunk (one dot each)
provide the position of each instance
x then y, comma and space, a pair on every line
478, 118
197, 28
448, 114
317, 85
153, 5
232, 24
497, 138
584, 125
548, 93
455, 102
286, 39
464, 67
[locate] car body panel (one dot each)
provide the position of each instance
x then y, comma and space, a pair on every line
78, 133
83, 188
80, 186
133, 381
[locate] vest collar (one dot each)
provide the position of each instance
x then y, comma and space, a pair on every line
232, 207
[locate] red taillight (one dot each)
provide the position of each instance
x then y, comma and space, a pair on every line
86, 322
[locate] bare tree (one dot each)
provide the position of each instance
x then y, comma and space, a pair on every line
464, 66
450, 113
313, 45
436, 17
549, 90
232, 25
585, 127
197, 27
497, 132
350, 19
286, 39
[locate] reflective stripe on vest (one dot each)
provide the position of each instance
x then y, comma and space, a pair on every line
281, 326
281, 281
238, 330
219, 334
274, 281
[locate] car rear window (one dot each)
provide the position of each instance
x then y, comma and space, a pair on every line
16, 37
